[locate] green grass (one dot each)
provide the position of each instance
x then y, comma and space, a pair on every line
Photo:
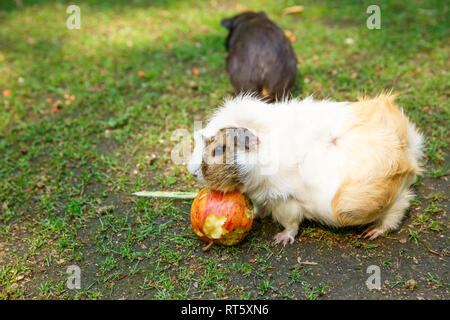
81, 129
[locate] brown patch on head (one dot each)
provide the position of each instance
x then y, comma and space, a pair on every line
219, 167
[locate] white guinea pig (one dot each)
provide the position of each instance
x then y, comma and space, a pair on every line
339, 163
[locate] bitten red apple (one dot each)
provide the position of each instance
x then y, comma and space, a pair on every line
222, 218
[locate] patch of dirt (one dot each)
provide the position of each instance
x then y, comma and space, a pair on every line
331, 264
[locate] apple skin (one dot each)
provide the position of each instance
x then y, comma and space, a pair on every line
222, 218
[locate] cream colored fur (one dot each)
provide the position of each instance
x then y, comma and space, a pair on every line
338, 163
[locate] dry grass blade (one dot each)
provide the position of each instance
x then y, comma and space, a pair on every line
293, 10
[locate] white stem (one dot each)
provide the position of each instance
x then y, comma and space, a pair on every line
166, 194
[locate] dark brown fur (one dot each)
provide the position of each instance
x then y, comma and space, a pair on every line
260, 58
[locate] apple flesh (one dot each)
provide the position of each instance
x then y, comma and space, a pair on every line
222, 218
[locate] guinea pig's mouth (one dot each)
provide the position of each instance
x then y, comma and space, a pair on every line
223, 185
224, 188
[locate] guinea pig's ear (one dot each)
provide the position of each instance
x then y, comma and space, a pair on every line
244, 139
263, 14
227, 23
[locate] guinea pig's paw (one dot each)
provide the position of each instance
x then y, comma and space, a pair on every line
284, 238
372, 232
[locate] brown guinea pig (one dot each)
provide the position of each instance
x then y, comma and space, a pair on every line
260, 58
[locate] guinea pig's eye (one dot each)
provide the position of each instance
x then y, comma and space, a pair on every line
218, 151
